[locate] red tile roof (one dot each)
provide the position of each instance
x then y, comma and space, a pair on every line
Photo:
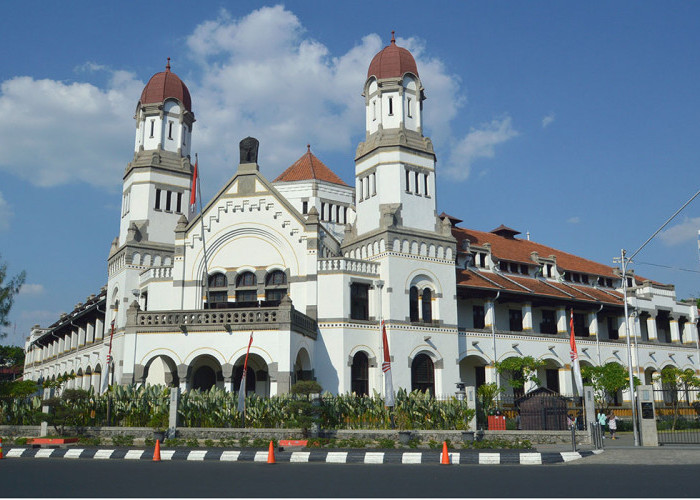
309, 167
392, 61
164, 85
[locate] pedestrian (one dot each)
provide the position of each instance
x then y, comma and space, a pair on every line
602, 420
569, 421
612, 424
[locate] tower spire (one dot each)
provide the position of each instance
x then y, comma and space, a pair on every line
167, 66
393, 40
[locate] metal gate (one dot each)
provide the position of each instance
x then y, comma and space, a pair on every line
677, 416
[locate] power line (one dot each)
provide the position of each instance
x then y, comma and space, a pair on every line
668, 267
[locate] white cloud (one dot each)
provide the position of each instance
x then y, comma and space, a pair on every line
31, 289
66, 132
681, 233
5, 214
478, 143
548, 120
573, 220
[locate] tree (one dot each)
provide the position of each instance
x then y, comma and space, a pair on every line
11, 355
674, 381
7, 294
607, 381
519, 371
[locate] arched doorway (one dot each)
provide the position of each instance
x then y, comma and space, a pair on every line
161, 370
472, 371
302, 366
423, 374
205, 373
359, 374
257, 380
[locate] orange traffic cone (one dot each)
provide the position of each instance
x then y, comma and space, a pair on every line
445, 457
156, 453
271, 454
1, 455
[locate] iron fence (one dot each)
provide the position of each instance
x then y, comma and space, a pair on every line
677, 416
537, 410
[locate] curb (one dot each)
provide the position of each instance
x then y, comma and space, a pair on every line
315, 456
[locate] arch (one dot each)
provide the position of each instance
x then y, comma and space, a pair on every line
136, 259
217, 280
409, 82
246, 278
448, 253
161, 369
382, 245
257, 380
275, 277
472, 370
426, 305
157, 260
147, 260
413, 304
431, 250
414, 248
302, 365
396, 246
359, 374
423, 249
205, 372
423, 374
167, 261
549, 373
404, 246
440, 252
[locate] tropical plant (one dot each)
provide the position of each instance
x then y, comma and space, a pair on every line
487, 396
674, 381
607, 380
518, 371
8, 290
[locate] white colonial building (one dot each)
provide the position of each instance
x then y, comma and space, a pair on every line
312, 266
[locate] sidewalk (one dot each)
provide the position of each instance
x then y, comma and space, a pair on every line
622, 451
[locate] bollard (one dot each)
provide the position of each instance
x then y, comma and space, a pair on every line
573, 438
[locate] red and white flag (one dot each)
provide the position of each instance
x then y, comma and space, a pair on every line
575, 365
386, 368
241, 389
193, 189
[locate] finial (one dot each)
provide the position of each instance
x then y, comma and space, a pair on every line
167, 66
393, 40
308, 148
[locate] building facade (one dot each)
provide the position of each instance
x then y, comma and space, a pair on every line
312, 267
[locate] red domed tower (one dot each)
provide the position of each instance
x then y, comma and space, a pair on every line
395, 165
156, 189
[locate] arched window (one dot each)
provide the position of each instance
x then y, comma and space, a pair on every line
275, 287
218, 292
246, 289
360, 374
249, 379
427, 305
413, 304
423, 374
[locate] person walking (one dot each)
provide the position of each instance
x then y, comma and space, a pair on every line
612, 424
602, 420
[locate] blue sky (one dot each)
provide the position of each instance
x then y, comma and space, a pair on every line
576, 122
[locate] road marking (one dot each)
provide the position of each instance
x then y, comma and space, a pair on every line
102, 454
230, 456
568, 456
531, 458
196, 455
260, 456
489, 458
412, 458
15, 452
300, 456
337, 457
45, 453
454, 458
166, 454
73, 453
134, 454
374, 457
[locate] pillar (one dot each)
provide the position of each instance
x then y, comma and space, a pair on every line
489, 314
99, 329
562, 325
81, 336
690, 333
90, 333
675, 331
593, 324
566, 380
622, 328
651, 327
527, 317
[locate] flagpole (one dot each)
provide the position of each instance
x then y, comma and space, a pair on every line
201, 219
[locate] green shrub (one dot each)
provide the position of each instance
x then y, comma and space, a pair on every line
414, 442
90, 441
126, 440
243, 442
174, 442
192, 443
386, 443
209, 443
20, 441
433, 444
149, 441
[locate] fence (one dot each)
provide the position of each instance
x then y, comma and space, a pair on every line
677, 416
537, 410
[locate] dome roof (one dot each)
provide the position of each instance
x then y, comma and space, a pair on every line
392, 61
164, 85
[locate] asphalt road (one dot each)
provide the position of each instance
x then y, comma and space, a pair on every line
126, 478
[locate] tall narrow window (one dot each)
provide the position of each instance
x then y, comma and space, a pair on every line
157, 199
345, 215
425, 184
179, 202
360, 374
413, 304
391, 106
374, 183
337, 213
408, 181
516, 320
170, 130
246, 289
408, 107
304, 207
153, 126
427, 305
367, 187
417, 185
323, 211
275, 287
478, 316
374, 110
168, 197
184, 135
423, 374
359, 301
362, 191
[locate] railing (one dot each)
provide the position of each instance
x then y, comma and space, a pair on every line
251, 318
162, 272
345, 265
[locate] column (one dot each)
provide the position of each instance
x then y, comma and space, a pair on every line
491, 375
61, 344
651, 327
81, 336
566, 380
622, 328
527, 317
593, 324
74, 340
90, 338
690, 333
562, 325
489, 314
99, 329
675, 331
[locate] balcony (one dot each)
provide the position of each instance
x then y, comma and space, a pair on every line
340, 265
282, 317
